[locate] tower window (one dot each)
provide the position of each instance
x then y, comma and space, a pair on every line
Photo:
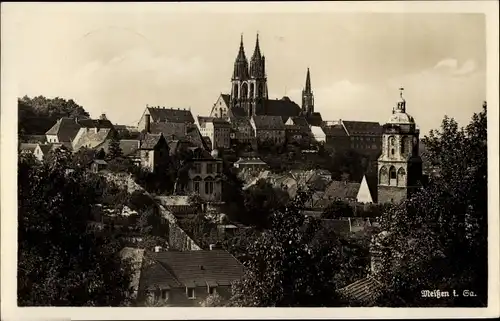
393, 173
392, 151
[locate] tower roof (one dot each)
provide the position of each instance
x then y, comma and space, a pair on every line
308, 81
256, 53
399, 115
241, 63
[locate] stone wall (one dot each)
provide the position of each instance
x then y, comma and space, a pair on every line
177, 237
388, 193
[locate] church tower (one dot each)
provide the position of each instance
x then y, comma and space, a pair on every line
307, 97
257, 84
399, 165
239, 85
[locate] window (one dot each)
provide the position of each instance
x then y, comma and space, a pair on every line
393, 173
165, 295
190, 293
212, 290
196, 187
209, 168
209, 188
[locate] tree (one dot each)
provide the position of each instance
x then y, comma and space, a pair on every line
212, 300
337, 209
61, 262
36, 115
260, 201
440, 234
272, 276
115, 151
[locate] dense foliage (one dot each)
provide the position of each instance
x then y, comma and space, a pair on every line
60, 261
38, 114
273, 277
440, 235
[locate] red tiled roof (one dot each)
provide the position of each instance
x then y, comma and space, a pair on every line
199, 267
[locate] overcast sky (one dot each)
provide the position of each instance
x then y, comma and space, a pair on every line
118, 59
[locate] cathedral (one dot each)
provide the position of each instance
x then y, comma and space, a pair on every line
249, 93
399, 165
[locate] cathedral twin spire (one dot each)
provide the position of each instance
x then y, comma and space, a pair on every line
257, 63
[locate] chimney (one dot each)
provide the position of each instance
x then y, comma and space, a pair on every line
147, 125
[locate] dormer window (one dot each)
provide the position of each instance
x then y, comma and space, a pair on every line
212, 290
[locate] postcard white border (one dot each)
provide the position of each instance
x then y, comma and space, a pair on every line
8, 162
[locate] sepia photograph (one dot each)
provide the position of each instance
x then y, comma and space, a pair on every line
169, 156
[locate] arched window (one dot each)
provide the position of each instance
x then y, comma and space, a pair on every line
392, 176
383, 176
196, 184
236, 91
244, 90
401, 177
403, 145
252, 89
392, 143
209, 185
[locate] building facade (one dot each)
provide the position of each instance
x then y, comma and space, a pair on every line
399, 165
217, 130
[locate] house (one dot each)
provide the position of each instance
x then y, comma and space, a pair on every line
154, 152
342, 191
268, 129
205, 175
176, 118
92, 132
42, 150
241, 129
297, 129
250, 163
336, 137
365, 137
217, 129
97, 165
64, 130
221, 106
186, 278
28, 148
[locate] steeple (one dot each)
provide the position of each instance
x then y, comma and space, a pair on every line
241, 63
257, 62
308, 82
307, 96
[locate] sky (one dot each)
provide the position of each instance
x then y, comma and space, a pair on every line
116, 59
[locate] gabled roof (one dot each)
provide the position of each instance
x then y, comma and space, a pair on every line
95, 123
197, 268
92, 137
170, 115
250, 160
128, 146
299, 121
342, 190
36, 138
268, 122
166, 129
364, 291
45, 148
226, 98
150, 141
362, 127
335, 130
28, 147
315, 119
283, 107
65, 129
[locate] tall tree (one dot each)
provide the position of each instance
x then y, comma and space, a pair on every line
114, 151
60, 262
287, 267
440, 234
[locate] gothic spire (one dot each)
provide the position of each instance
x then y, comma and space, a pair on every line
241, 63
308, 82
256, 52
